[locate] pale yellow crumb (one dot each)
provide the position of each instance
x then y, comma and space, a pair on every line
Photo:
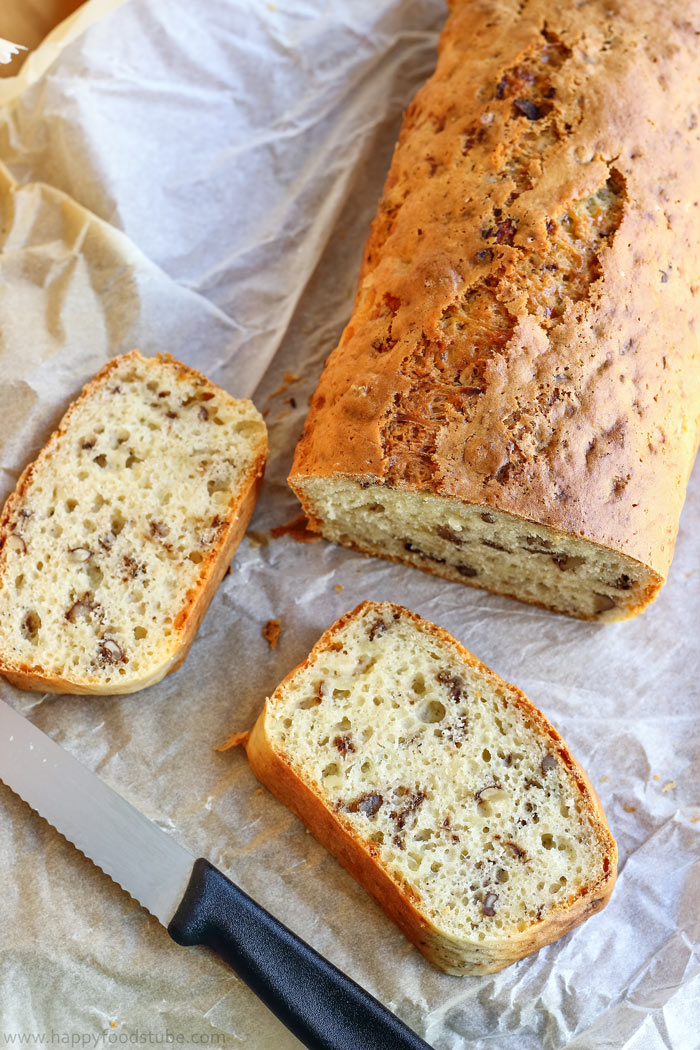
669, 785
338, 587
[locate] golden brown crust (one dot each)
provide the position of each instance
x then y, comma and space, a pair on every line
485, 359
278, 773
213, 566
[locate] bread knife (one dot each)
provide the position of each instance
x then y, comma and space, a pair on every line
196, 903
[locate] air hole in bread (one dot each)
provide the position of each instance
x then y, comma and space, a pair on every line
309, 701
432, 711
31, 625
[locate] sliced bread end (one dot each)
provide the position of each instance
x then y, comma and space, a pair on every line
118, 534
440, 787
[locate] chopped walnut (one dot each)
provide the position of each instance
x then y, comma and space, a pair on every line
548, 763
453, 683
132, 568
489, 792
79, 554
84, 606
378, 628
488, 906
516, 850
344, 744
110, 652
412, 801
369, 804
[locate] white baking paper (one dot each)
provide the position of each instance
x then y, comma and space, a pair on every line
200, 178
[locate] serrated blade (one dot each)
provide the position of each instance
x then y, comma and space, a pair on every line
144, 860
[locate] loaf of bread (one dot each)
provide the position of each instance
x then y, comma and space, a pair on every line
117, 536
440, 787
514, 403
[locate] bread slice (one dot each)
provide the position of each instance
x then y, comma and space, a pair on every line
117, 536
440, 787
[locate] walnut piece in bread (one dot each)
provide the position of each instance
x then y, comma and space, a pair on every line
440, 787
515, 401
118, 534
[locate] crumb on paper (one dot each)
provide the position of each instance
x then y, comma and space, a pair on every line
695, 819
234, 740
287, 380
271, 633
298, 529
669, 785
258, 791
629, 809
291, 401
604, 780
656, 776
339, 587
258, 539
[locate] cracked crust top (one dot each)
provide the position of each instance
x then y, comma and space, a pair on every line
525, 322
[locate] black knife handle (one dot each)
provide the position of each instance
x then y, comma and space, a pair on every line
318, 1003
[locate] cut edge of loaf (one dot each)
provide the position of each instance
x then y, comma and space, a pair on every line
478, 545
34, 677
460, 956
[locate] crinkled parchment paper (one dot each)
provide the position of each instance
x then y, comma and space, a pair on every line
199, 177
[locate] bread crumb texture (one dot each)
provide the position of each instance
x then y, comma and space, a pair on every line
524, 336
113, 534
449, 779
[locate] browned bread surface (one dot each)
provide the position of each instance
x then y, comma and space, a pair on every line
440, 787
118, 534
524, 336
